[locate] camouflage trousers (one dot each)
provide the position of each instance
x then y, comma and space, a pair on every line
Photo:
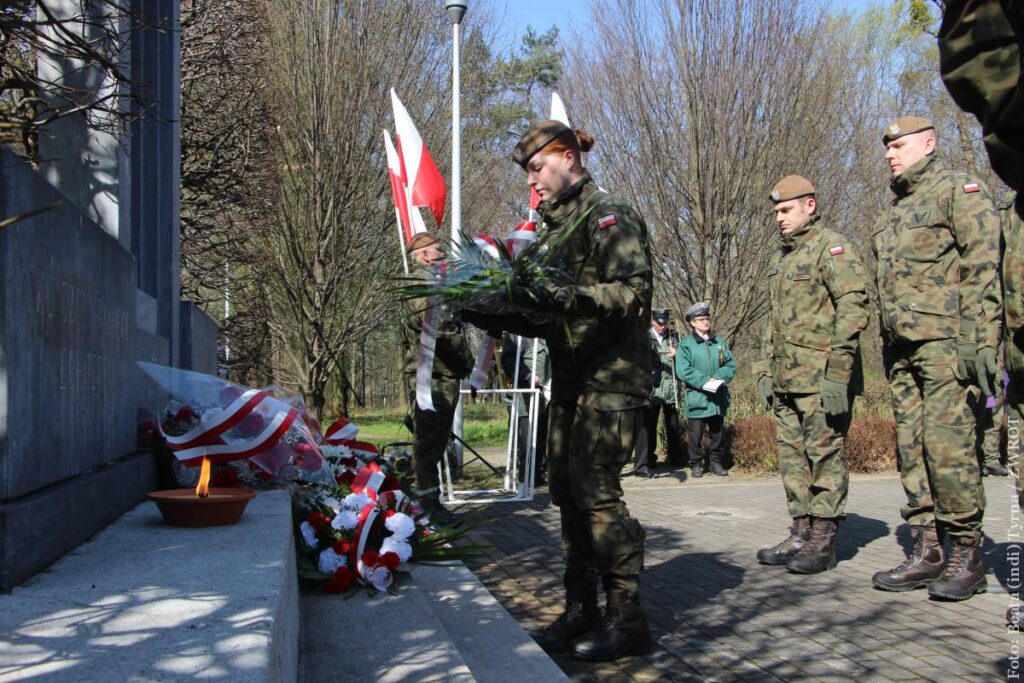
986, 427
812, 458
935, 438
431, 431
587, 449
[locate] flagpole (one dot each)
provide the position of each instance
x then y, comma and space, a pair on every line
456, 10
401, 240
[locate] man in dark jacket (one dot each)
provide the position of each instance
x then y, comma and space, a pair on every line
663, 399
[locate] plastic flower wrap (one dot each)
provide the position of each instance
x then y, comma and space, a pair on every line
213, 418
363, 530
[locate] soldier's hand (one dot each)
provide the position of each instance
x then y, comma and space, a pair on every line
967, 352
988, 370
766, 391
835, 398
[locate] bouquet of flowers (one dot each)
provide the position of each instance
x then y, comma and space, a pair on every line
208, 418
489, 276
363, 529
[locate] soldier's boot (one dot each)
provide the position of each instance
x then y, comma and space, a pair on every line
924, 564
819, 553
580, 616
622, 632
964, 575
799, 534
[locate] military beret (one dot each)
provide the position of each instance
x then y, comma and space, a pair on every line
697, 310
791, 187
905, 126
539, 136
422, 239
660, 315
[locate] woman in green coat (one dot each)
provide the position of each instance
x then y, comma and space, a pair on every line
706, 365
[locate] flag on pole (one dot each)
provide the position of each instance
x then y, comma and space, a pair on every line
423, 181
398, 191
558, 109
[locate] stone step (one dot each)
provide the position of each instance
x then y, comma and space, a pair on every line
494, 646
144, 601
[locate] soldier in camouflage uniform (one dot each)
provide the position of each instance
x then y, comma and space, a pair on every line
597, 335
987, 413
810, 372
937, 250
453, 361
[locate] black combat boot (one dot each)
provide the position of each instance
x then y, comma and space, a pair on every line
923, 565
696, 470
622, 632
799, 534
964, 575
581, 615
819, 553
717, 469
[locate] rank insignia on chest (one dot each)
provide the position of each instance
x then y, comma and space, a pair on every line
972, 187
836, 250
606, 222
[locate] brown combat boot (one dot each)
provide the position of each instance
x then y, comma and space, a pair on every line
964, 575
923, 565
581, 614
622, 632
819, 553
799, 534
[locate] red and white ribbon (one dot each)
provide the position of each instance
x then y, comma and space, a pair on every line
524, 235
484, 362
340, 430
207, 432
487, 245
425, 354
239, 450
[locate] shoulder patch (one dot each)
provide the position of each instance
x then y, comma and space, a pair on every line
836, 250
972, 187
607, 221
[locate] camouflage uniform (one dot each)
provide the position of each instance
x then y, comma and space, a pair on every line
980, 46
817, 288
937, 253
453, 361
599, 347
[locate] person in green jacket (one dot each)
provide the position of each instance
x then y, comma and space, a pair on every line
706, 365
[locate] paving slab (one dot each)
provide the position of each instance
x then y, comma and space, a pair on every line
719, 615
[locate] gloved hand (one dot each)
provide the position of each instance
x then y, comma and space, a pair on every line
765, 390
988, 370
835, 398
967, 351
550, 296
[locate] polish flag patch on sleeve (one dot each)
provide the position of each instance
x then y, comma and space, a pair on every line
972, 187
606, 222
836, 250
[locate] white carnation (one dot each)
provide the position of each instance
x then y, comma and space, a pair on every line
379, 578
356, 501
330, 561
401, 525
397, 546
346, 519
308, 534
332, 503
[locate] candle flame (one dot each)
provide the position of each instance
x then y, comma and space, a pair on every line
203, 487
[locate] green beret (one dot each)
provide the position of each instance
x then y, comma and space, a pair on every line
791, 187
539, 136
905, 126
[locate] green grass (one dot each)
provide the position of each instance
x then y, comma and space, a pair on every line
484, 424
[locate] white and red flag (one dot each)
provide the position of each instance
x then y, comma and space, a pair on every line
424, 183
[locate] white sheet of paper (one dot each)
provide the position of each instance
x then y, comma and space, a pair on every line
712, 385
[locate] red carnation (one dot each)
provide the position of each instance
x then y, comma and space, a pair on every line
388, 514
339, 582
342, 546
370, 558
346, 478
318, 519
251, 425
348, 462
390, 560
184, 414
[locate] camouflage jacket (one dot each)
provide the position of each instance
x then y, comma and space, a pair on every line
1013, 293
663, 368
818, 306
937, 247
453, 358
599, 347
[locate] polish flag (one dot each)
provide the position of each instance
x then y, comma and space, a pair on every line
423, 181
558, 109
398, 190
487, 245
